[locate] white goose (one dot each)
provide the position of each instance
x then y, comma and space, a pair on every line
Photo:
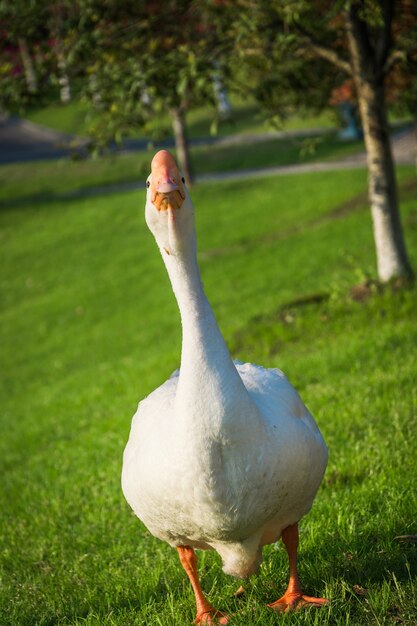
224, 455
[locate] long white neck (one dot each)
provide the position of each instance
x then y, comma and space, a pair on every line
209, 386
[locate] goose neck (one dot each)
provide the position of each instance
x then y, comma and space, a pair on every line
208, 376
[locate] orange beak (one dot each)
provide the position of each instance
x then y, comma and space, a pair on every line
167, 190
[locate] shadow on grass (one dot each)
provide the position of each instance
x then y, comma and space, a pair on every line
40, 199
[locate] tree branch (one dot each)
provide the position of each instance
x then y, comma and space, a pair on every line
321, 51
395, 57
325, 53
357, 30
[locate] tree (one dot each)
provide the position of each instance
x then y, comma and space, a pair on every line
146, 58
370, 44
61, 22
36, 42
358, 39
21, 26
133, 60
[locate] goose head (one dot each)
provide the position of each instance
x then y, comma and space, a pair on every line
169, 211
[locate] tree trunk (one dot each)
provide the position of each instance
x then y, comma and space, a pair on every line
224, 108
63, 79
30, 74
382, 187
57, 29
181, 143
391, 253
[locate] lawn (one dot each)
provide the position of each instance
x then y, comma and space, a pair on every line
89, 326
27, 182
74, 118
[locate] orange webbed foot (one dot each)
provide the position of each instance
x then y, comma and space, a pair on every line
212, 616
295, 601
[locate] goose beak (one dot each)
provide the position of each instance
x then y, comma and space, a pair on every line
168, 195
167, 190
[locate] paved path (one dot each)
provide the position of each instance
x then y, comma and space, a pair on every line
21, 140
404, 151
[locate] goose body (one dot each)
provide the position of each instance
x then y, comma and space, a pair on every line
224, 483
224, 455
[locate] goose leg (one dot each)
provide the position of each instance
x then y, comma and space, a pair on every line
293, 598
206, 613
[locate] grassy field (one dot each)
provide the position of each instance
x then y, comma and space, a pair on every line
247, 118
89, 326
27, 182
74, 118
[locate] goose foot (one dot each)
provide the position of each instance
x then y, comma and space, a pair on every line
295, 601
212, 616
206, 613
293, 598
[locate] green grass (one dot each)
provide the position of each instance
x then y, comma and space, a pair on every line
74, 118
25, 182
89, 326
272, 152
66, 118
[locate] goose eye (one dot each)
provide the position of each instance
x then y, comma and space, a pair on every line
183, 179
148, 184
